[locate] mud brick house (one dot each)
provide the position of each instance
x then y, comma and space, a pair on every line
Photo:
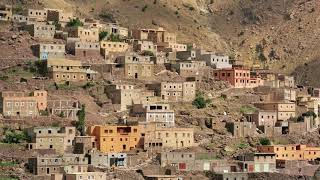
117, 138
154, 113
237, 77
116, 29
160, 58
57, 15
62, 70
176, 47
161, 177
136, 66
159, 37
85, 34
109, 160
232, 175
41, 30
262, 117
126, 95
278, 80
88, 50
257, 162
166, 138
191, 161
19, 18
36, 15
84, 144
20, 104
285, 110
216, 61
59, 139
183, 161
50, 51
108, 47
187, 55
50, 164
241, 129
5, 12
189, 68
292, 151
80, 176
174, 91
268, 93
308, 124
155, 35
143, 46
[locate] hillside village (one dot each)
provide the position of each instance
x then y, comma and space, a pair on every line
97, 100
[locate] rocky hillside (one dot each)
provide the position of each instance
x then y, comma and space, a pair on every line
280, 34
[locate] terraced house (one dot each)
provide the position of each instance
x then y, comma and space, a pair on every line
174, 91
49, 51
292, 151
136, 66
37, 15
41, 30
21, 104
5, 12
62, 70
166, 138
45, 165
56, 138
85, 34
154, 113
125, 95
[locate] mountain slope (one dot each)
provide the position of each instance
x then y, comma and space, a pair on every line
280, 34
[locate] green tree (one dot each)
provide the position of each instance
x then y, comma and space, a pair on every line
80, 125
265, 141
309, 113
57, 25
200, 102
74, 23
102, 35
114, 38
13, 137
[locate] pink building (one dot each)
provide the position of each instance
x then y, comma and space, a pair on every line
239, 78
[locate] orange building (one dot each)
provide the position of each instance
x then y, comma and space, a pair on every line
117, 138
292, 152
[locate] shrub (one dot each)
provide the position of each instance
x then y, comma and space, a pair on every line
243, 146
115, 38
147, 53
80, 124
200, 102
13, 137
61, 115
191, 8
247, 109
107, 16
102, 35
74, 23
144, 8
88, 85
309, 113
44, 112
265, 141
57, 25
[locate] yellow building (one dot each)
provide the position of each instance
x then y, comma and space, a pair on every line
160, 138
292, 151
61, 70
117, 138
